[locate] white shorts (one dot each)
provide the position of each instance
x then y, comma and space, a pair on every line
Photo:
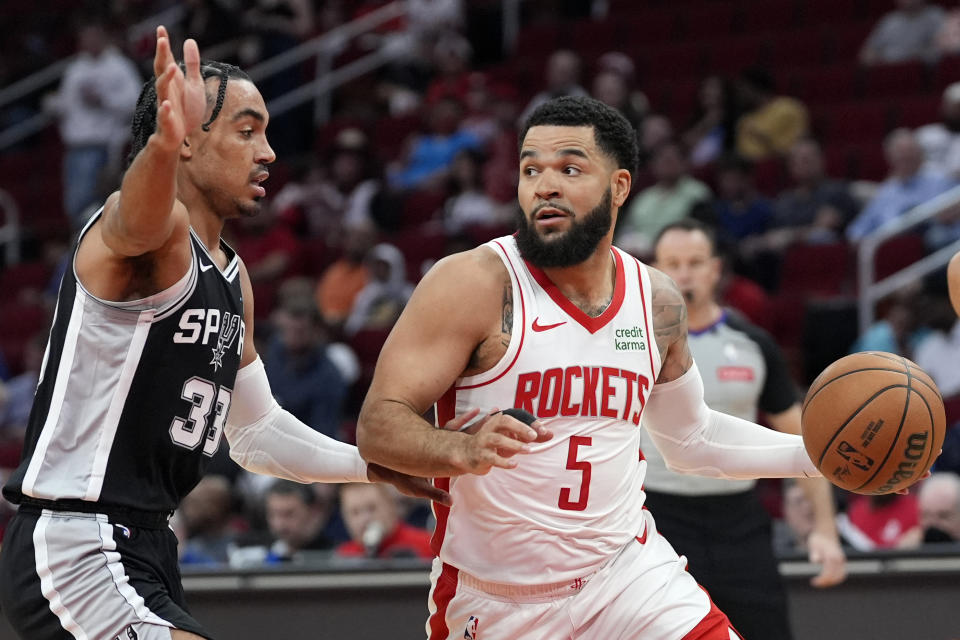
644, 592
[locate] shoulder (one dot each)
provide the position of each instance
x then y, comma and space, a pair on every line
737, 321
664, 289
480, 267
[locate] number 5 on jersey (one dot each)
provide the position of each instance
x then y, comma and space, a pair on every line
189, 432
577, 465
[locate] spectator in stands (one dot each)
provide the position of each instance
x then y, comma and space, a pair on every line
770, 123
655, 131
342, 281
939, 504
451, 61
429, 155
907, 33
938, 351
305, 381
94, 104
19, 392
878, 522
941, 140
562, 79
296, 517
615, 84
348, 192
206, 512
898, 329
790, 534
817, 208
379, 303
470, 205
667, 201
907, 186
710, 130
376, 530
948, 37
740, 211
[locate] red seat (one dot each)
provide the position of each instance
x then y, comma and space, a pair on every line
732, 55
826, 84
19, 277
816, 269
797, 49
898, 252
706, 20
422, 205
418, 246
788, 311
917, 111
867, 161
595, 36
771, 15
669, 61
18, 324
853, 121
846, 39
649, 25
895, 80
389, 134
831, 11
951, 406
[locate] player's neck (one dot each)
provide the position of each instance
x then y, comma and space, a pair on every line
590, 284
208, 228
701, 316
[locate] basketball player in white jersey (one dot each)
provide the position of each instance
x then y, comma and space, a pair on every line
150, 362
547, 537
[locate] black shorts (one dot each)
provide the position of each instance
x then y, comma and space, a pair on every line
66, 575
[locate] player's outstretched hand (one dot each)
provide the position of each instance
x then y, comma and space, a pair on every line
406, 484
181, 100
825, 550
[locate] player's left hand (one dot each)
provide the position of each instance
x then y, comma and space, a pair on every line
825, 551
407, 485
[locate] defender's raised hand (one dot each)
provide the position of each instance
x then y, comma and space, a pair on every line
181, 101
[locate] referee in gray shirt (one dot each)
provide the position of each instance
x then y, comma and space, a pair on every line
720, 525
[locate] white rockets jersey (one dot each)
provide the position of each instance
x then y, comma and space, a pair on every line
573, 502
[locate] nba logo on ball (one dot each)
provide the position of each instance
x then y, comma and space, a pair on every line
873, 422
470, 633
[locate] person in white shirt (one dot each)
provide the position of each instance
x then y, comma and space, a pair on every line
94, 104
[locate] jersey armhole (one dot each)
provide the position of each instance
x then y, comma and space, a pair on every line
519, 322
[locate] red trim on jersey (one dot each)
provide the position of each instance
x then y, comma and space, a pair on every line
442, 595
714, 626
590, 324
523, 326
643, 301
446, 410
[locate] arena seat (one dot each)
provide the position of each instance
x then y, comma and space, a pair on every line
817, 269
17, 278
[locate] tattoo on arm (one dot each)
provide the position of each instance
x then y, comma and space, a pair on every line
670, 327
506, 326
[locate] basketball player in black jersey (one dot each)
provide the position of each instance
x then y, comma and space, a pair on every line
150, 362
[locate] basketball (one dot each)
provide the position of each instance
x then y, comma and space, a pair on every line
873, 422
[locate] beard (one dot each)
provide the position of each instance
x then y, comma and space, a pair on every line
570, 247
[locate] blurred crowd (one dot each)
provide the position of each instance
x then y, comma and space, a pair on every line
418, 160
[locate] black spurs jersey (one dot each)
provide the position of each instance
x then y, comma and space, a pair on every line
133, 396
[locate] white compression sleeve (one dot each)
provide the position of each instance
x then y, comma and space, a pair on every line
698, 440
266, 439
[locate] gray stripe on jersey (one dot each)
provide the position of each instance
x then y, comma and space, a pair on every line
82, 578
112, 421
100, 356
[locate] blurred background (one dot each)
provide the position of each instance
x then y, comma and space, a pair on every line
821, 138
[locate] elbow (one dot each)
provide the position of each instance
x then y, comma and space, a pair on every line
366, 433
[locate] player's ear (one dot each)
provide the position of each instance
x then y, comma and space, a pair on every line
186, 152
620, 183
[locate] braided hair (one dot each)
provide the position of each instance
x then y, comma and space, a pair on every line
145, 115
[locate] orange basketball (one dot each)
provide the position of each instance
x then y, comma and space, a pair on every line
873, 422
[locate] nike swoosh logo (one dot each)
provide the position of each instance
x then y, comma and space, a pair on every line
205, 267
544, 327
642, 538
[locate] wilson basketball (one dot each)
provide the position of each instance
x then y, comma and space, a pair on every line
873, 422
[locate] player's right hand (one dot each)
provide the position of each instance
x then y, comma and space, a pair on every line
493, 442
181, 100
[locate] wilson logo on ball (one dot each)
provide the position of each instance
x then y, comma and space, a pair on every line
916, 444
